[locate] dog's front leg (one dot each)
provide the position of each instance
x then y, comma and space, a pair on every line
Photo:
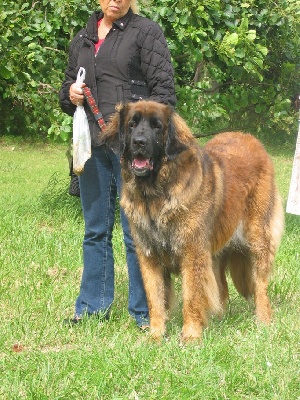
200, 293
153, 279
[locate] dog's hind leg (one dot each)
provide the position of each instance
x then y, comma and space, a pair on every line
263, 257
241, 271
262, 260
219, 267
264, 240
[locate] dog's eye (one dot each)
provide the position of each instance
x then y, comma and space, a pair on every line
155, 123
132, 124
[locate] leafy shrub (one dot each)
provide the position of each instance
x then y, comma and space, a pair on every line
236, 63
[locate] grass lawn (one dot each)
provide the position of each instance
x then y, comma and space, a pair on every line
41, 230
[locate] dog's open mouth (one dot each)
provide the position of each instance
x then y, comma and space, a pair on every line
142, 166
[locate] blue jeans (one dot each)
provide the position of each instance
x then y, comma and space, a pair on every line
99, 185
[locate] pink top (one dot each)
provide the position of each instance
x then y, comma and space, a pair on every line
98, 44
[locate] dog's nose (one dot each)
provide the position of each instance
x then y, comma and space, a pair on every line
139, 141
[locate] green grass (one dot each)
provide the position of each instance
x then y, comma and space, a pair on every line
41, 230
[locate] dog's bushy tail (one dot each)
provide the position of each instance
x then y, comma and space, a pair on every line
241, 272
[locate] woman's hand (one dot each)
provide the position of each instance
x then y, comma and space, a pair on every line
76, 95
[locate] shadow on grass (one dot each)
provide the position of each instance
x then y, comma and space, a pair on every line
55, 198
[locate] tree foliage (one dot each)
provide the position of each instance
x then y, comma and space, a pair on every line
34, 41
236, 63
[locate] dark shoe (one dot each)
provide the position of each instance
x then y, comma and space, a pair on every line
144, 328
142, 322
72, 321
101, 317
74, 189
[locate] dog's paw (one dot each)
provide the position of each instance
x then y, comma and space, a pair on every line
157, 334
191, 334
264, 316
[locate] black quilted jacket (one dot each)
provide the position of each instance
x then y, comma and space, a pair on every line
132, 63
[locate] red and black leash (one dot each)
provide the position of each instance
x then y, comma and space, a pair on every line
94, 108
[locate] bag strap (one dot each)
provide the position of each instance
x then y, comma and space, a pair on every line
93, 106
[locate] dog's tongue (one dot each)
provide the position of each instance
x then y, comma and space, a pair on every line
142, 163
138, 163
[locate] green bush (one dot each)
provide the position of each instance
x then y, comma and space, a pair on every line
236, 63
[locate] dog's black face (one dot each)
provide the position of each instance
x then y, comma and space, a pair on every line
145, 144
145, 135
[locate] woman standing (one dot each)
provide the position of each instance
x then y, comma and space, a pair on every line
126, 58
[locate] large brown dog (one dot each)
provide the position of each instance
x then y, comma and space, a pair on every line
196, 212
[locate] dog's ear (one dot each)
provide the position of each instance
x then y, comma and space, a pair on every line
173, 145
114, 134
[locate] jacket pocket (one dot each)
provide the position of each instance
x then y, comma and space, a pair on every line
139, 90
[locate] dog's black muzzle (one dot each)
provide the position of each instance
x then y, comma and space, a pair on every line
141, 155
